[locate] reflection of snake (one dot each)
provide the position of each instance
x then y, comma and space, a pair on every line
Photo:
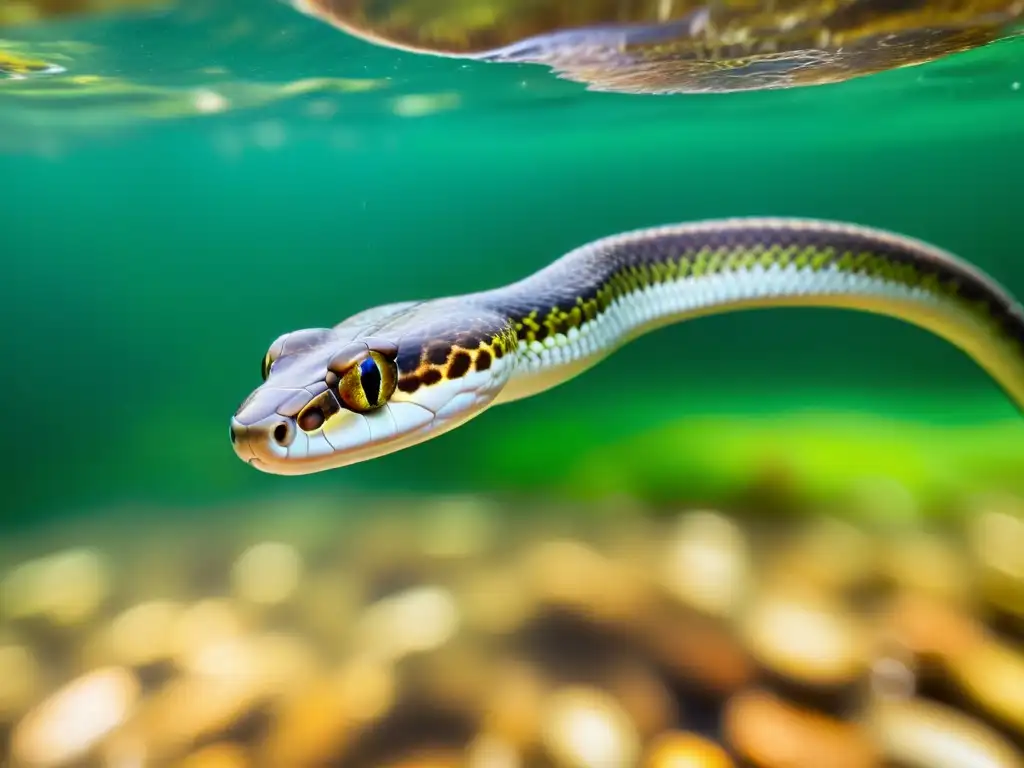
403, 373
691, 46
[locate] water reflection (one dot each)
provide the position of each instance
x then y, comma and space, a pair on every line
682, 47
100, 76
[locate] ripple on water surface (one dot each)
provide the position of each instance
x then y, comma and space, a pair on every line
211, 59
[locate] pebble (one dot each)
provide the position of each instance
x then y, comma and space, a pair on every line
493, 601
644, 697
929, 565
413, 621
996, 537
268, 573
220, 755
574, 576
772, 733
512, 711
893, 676
586, 728
185, 710
807, 638
317, 722
455, 678
488, 751
996, 533
829, 553
20, 680
679, 749
66, 587
206, 622
221, 682
144, 633
992, 676
73, 720
706, 563
931, 629
428, 759
273, 662
924, 734
698, 650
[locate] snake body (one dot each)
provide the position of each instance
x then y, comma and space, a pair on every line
402, 373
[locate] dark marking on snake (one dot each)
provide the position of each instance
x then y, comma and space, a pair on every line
409, 384
459, 365
437, 354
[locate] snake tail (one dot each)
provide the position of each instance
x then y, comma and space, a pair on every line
601, 295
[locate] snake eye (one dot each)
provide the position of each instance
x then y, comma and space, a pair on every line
368, 383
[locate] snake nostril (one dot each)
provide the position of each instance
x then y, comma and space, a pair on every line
282, 434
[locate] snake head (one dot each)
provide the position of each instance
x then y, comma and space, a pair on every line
317, 391
331, 397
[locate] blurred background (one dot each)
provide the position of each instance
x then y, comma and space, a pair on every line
799, 541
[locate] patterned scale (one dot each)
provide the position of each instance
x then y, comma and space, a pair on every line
601, 295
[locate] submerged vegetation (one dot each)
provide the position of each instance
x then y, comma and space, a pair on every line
801, 457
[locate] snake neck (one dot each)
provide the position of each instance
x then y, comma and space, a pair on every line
580, 309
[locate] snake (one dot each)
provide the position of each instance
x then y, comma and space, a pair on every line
397, 375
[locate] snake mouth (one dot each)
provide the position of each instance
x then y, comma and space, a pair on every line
239, 434
349, 440
346, 438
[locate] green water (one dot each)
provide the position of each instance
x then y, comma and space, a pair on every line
152, 251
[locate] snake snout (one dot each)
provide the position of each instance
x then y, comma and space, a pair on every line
267, 420
266, 440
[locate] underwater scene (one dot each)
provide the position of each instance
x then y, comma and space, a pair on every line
512, 384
